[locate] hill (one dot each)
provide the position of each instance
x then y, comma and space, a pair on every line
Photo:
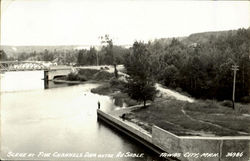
13, 51
204, 37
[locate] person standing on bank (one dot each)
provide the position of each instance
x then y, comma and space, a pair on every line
99, 104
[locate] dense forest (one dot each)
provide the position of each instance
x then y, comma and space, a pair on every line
199, 64
203, 69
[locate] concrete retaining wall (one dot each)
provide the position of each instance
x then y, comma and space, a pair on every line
127, 126
191, 145
191, 148
166, 140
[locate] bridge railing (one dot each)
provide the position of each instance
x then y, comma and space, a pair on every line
21, 66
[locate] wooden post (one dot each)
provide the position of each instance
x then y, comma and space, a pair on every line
234, 68
46, 79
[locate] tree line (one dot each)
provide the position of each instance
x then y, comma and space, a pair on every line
108, 54
201, 69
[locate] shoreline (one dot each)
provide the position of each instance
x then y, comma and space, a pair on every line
75, 82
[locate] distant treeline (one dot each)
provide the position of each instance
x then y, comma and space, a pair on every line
203, 69
106, 56
61, 57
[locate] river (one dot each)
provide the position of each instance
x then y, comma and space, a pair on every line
47, 124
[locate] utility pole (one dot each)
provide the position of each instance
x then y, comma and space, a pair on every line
234, 68
97, 61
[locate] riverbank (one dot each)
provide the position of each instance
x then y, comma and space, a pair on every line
86, 75
115, 91
83, 76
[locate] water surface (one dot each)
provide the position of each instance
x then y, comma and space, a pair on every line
61, 120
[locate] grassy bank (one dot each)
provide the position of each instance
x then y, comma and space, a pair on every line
87, 75
115, 89
205, 118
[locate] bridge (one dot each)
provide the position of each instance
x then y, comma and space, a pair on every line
50, 72
59, 71
21, 66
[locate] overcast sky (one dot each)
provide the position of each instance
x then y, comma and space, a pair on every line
81, 22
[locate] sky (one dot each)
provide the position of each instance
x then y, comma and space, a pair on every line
82, 22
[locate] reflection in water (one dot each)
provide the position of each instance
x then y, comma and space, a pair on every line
61, 120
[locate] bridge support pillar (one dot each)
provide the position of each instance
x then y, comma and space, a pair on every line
46, 79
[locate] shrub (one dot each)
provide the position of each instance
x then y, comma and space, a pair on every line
130, 102
227, 103
114, 82
82, 78
88, 73
211, 104
102, 75
73, 77
103, 89
76, 77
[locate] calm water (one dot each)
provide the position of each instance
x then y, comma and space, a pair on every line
56, 121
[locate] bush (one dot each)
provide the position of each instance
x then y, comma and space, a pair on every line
130, 102
118, 101
103, 89
227, 103
82, 78
118, 84
211, 104
102, 75
76, 77
88, 73
114, 82
73, 77
121, 98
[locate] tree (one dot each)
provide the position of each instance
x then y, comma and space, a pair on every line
109, 54
91, 56
3, 55
140, 84
170, 75
47, 56
108, 50
80, 58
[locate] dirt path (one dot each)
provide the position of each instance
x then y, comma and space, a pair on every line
164, 91
170, 93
